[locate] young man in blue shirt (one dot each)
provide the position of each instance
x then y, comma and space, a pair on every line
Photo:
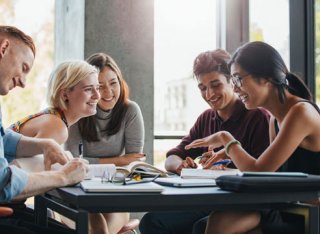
17, 52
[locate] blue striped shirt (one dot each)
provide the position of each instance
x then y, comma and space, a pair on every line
13, 180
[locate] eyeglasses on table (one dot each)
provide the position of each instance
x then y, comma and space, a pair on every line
121, 178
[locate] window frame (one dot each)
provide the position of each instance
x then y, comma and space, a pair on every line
302, 41
234, 31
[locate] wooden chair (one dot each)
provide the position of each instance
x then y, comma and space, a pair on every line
130, 227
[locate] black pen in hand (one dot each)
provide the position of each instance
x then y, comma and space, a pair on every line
80, 150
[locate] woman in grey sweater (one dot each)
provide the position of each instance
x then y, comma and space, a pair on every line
114, 135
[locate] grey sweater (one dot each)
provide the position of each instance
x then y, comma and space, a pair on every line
129, 138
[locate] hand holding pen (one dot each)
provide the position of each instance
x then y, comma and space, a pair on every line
217, 159
216, 165
204, 158
80, 150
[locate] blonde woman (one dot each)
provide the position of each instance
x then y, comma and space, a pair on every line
73, 93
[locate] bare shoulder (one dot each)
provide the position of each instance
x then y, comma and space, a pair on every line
303, 116
304, 110
52, 126
304, 119
55, 123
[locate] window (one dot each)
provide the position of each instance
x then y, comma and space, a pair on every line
183, 29
34, 17
262, 28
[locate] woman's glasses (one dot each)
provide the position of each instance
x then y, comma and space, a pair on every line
237, 80
123, 179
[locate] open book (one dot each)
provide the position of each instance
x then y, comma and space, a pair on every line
191, 173
143, 168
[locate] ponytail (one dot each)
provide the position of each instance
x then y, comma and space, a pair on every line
297, 87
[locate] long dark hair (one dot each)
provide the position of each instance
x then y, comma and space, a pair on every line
262, 61
87, 126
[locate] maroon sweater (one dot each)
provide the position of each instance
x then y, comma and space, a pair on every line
250, 127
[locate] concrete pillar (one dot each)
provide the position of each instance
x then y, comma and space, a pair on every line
69, 30
124, 30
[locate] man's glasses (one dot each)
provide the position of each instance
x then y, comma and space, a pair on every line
123, 179
237, 80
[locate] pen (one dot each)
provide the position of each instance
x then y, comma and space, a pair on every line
222, 162
80, 149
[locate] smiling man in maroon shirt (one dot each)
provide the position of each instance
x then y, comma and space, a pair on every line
227, 113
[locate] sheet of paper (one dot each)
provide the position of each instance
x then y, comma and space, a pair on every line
99, 170
35, 164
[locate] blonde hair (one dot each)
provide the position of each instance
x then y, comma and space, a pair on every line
65, 76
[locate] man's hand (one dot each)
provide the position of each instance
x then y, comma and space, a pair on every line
187, 163
40, 182
53, 153
74, 171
